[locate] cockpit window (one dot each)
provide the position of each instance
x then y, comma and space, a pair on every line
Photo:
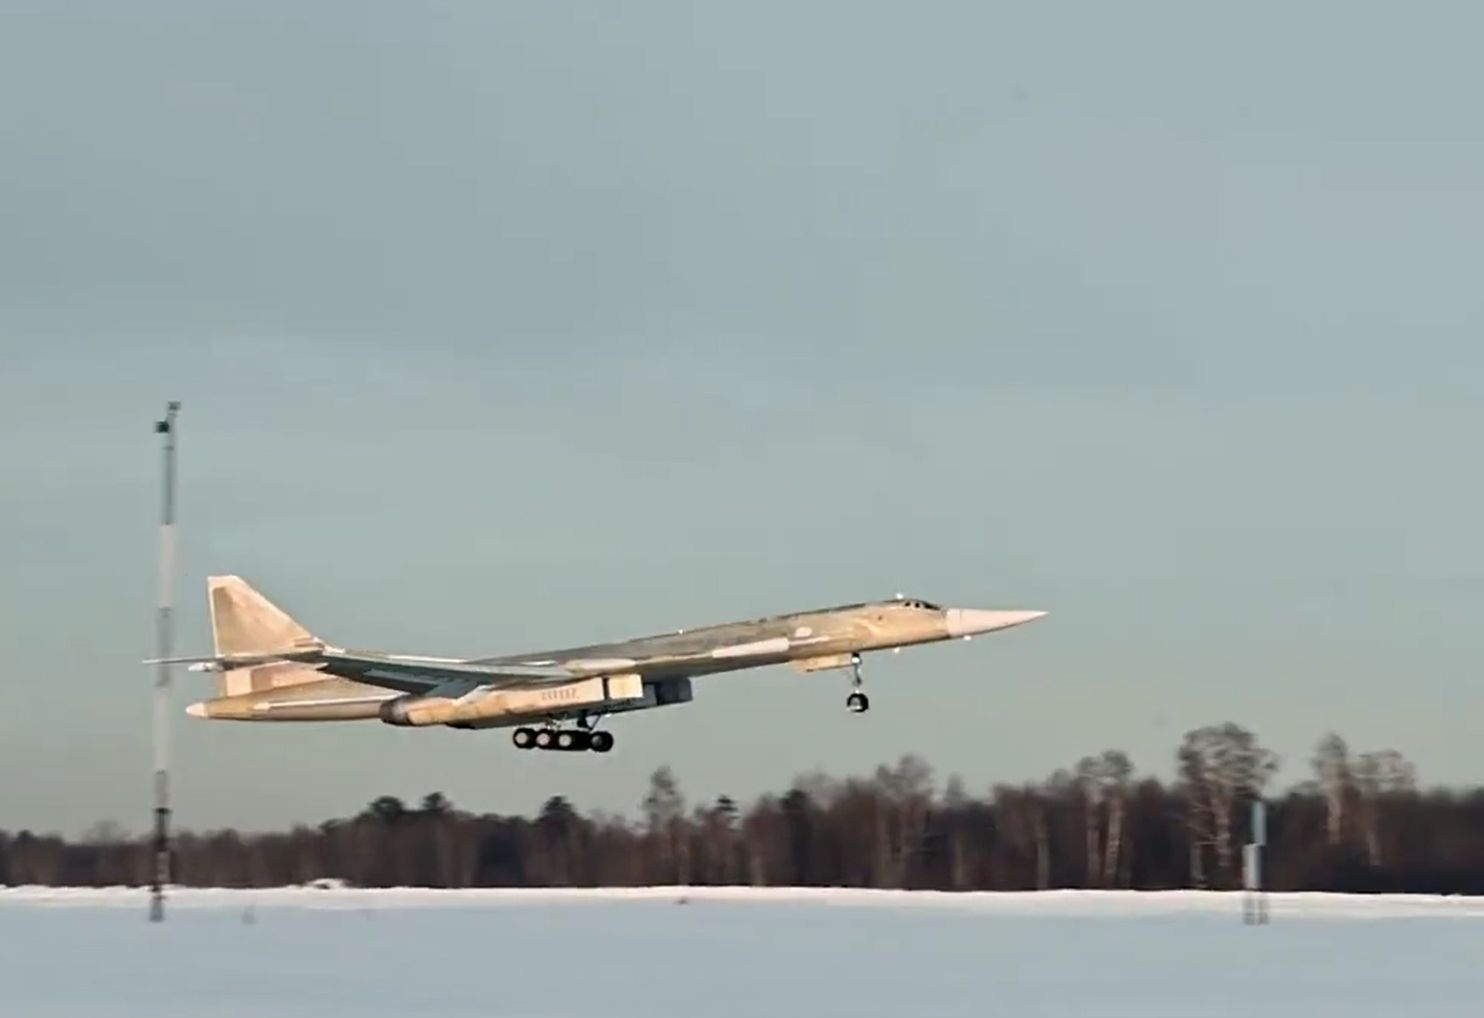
921, 604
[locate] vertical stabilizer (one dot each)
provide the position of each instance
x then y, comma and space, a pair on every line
243, 621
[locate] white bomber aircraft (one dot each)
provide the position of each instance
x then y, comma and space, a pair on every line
272, 669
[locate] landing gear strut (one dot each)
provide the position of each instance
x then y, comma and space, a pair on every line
857, 702
562, 740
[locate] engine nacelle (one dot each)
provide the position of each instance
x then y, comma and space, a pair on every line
602, 693
659, 693
399, 711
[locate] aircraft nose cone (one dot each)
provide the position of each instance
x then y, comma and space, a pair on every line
968, 621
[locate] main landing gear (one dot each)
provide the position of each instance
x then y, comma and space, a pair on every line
563, 740
857, 702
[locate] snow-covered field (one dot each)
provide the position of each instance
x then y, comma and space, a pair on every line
733, 951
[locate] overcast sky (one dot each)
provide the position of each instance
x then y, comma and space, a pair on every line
503, 326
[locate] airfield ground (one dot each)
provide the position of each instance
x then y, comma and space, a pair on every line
666, 951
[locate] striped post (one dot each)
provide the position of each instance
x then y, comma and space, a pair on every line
1254, 898
160, 875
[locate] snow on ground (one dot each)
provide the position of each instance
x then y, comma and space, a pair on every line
732, 951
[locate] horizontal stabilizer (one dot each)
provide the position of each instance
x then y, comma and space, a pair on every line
228, 662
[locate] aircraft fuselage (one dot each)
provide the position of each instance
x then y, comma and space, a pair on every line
630, 674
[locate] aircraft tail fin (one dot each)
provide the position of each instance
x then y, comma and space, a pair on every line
243, 621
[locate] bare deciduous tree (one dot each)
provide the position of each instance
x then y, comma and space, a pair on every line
664, 808
960, 849
1115, 772
1219, 765
907, 790
1331, 764
1088, 828
1379, 776
1102, 781
1090, 784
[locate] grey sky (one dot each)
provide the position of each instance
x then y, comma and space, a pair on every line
508, 325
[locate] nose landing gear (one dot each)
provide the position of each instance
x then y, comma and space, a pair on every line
857, 702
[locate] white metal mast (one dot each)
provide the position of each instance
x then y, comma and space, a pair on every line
161, 871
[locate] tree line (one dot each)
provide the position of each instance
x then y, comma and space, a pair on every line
1360, 824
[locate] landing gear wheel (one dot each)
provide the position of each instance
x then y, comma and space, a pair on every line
544, 738
523, 738
571, 740
601, 742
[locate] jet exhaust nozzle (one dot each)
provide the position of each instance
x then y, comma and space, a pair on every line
395, 712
